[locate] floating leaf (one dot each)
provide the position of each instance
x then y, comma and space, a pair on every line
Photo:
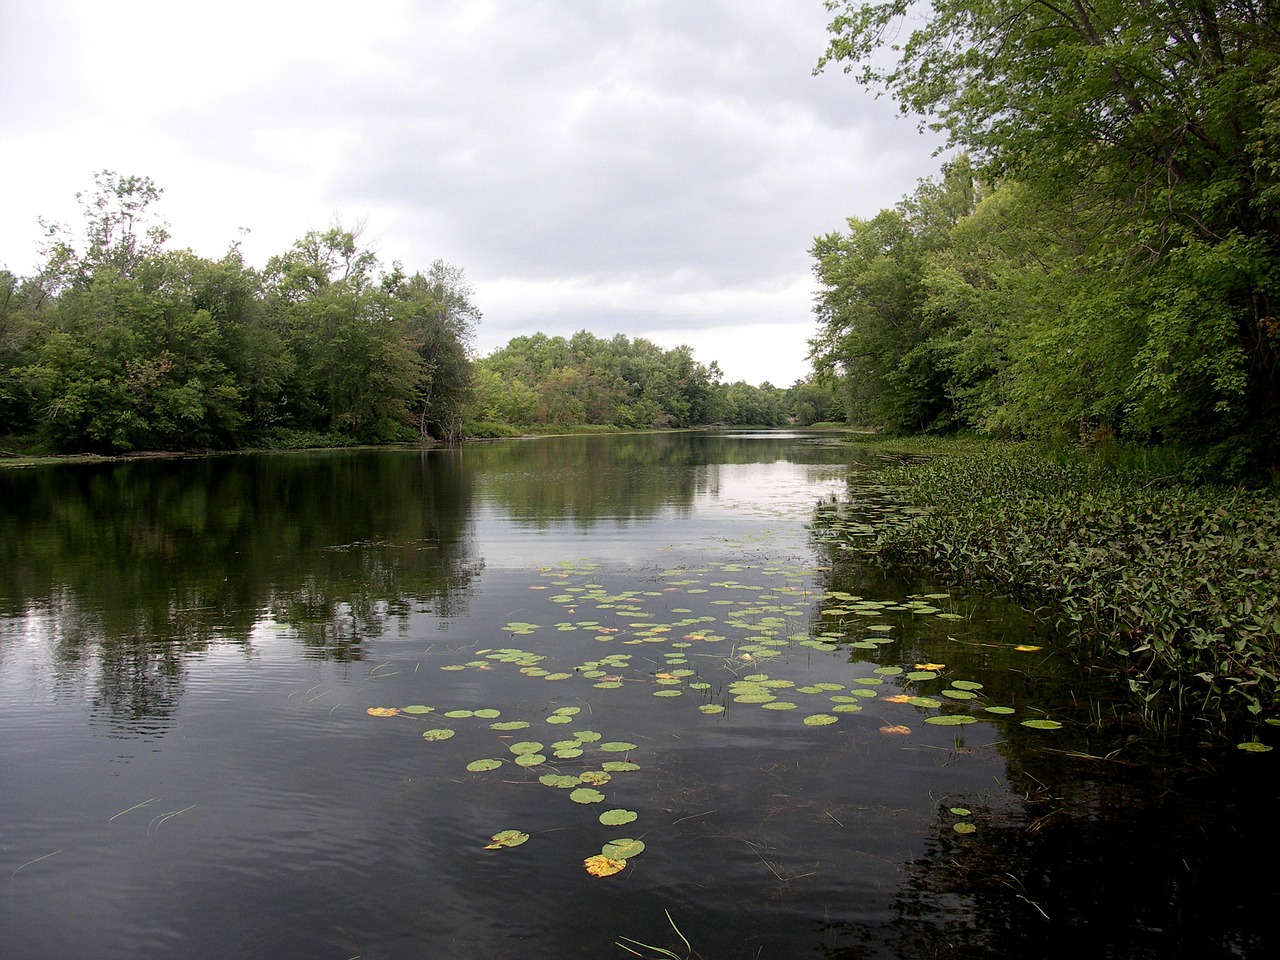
951, 720
382, 711
530, 759
525, 746
711, 708
509, 725
488, 713
620, 766
482, 766
819, 720
617, 746
921, 675
595, 777
443, 733
897, 730
1253, 746
847, 708
779, 705
961, 811
928, 703
558, 780
416, 708
567, 753
959, 694
1042, 724
460, 714
507, 838
586, 795
963, 827
586, 736
1001, 710
615, 818
668, 693
623, 849
966, 685
602, 866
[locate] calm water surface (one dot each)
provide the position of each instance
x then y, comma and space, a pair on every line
189, 650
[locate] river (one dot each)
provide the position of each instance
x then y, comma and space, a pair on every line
570, 697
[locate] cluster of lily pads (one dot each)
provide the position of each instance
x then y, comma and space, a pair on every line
719, 661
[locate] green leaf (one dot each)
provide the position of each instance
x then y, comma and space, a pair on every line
819, 720
437, 734
482, 766
1042, 724
616, 818
951, 720
586, 795
623, 849
417, 708
617, 746
507, 838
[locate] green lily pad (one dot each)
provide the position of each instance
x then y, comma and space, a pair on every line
586, 795
482, 766
559, 780
417, 708
619, 766
1042, 724
438, 734
507, 838
1253, 746
623, 849
779, 705
1000, 710
711, 708
525, 747
963, 826
617, 746
951, 720
460, 714
615, 818
509, 725
819, 720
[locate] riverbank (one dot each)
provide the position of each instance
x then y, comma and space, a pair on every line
1177, 586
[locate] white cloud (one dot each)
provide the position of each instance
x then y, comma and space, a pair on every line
630, 167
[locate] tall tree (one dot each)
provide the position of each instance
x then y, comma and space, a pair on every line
1164, 115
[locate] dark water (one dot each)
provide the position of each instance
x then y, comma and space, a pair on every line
189, 648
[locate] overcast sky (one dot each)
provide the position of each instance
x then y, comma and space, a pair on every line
656, 168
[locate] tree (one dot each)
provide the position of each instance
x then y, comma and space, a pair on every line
1160, 116
875, 332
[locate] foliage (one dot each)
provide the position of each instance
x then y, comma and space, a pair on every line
1177, 583
1124, 271
121, 345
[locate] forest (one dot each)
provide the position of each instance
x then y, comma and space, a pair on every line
119, 345
1100, 257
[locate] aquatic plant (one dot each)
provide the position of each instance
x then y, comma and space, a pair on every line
1176, 584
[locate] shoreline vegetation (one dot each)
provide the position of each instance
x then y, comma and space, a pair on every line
1174, 584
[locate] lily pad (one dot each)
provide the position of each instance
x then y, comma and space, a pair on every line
482, 766
951, 720
507, 838
416, 708
617, 817
617, 746
1042, 724
819, 720
623, 849
602, 866
586, 795
442, 733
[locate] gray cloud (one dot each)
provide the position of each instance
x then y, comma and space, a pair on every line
645, 167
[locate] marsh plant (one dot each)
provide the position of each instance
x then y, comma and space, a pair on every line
1175, 583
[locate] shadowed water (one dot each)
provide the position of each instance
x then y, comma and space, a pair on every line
189, 648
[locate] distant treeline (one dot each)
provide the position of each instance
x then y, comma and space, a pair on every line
540, 381
119, 344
